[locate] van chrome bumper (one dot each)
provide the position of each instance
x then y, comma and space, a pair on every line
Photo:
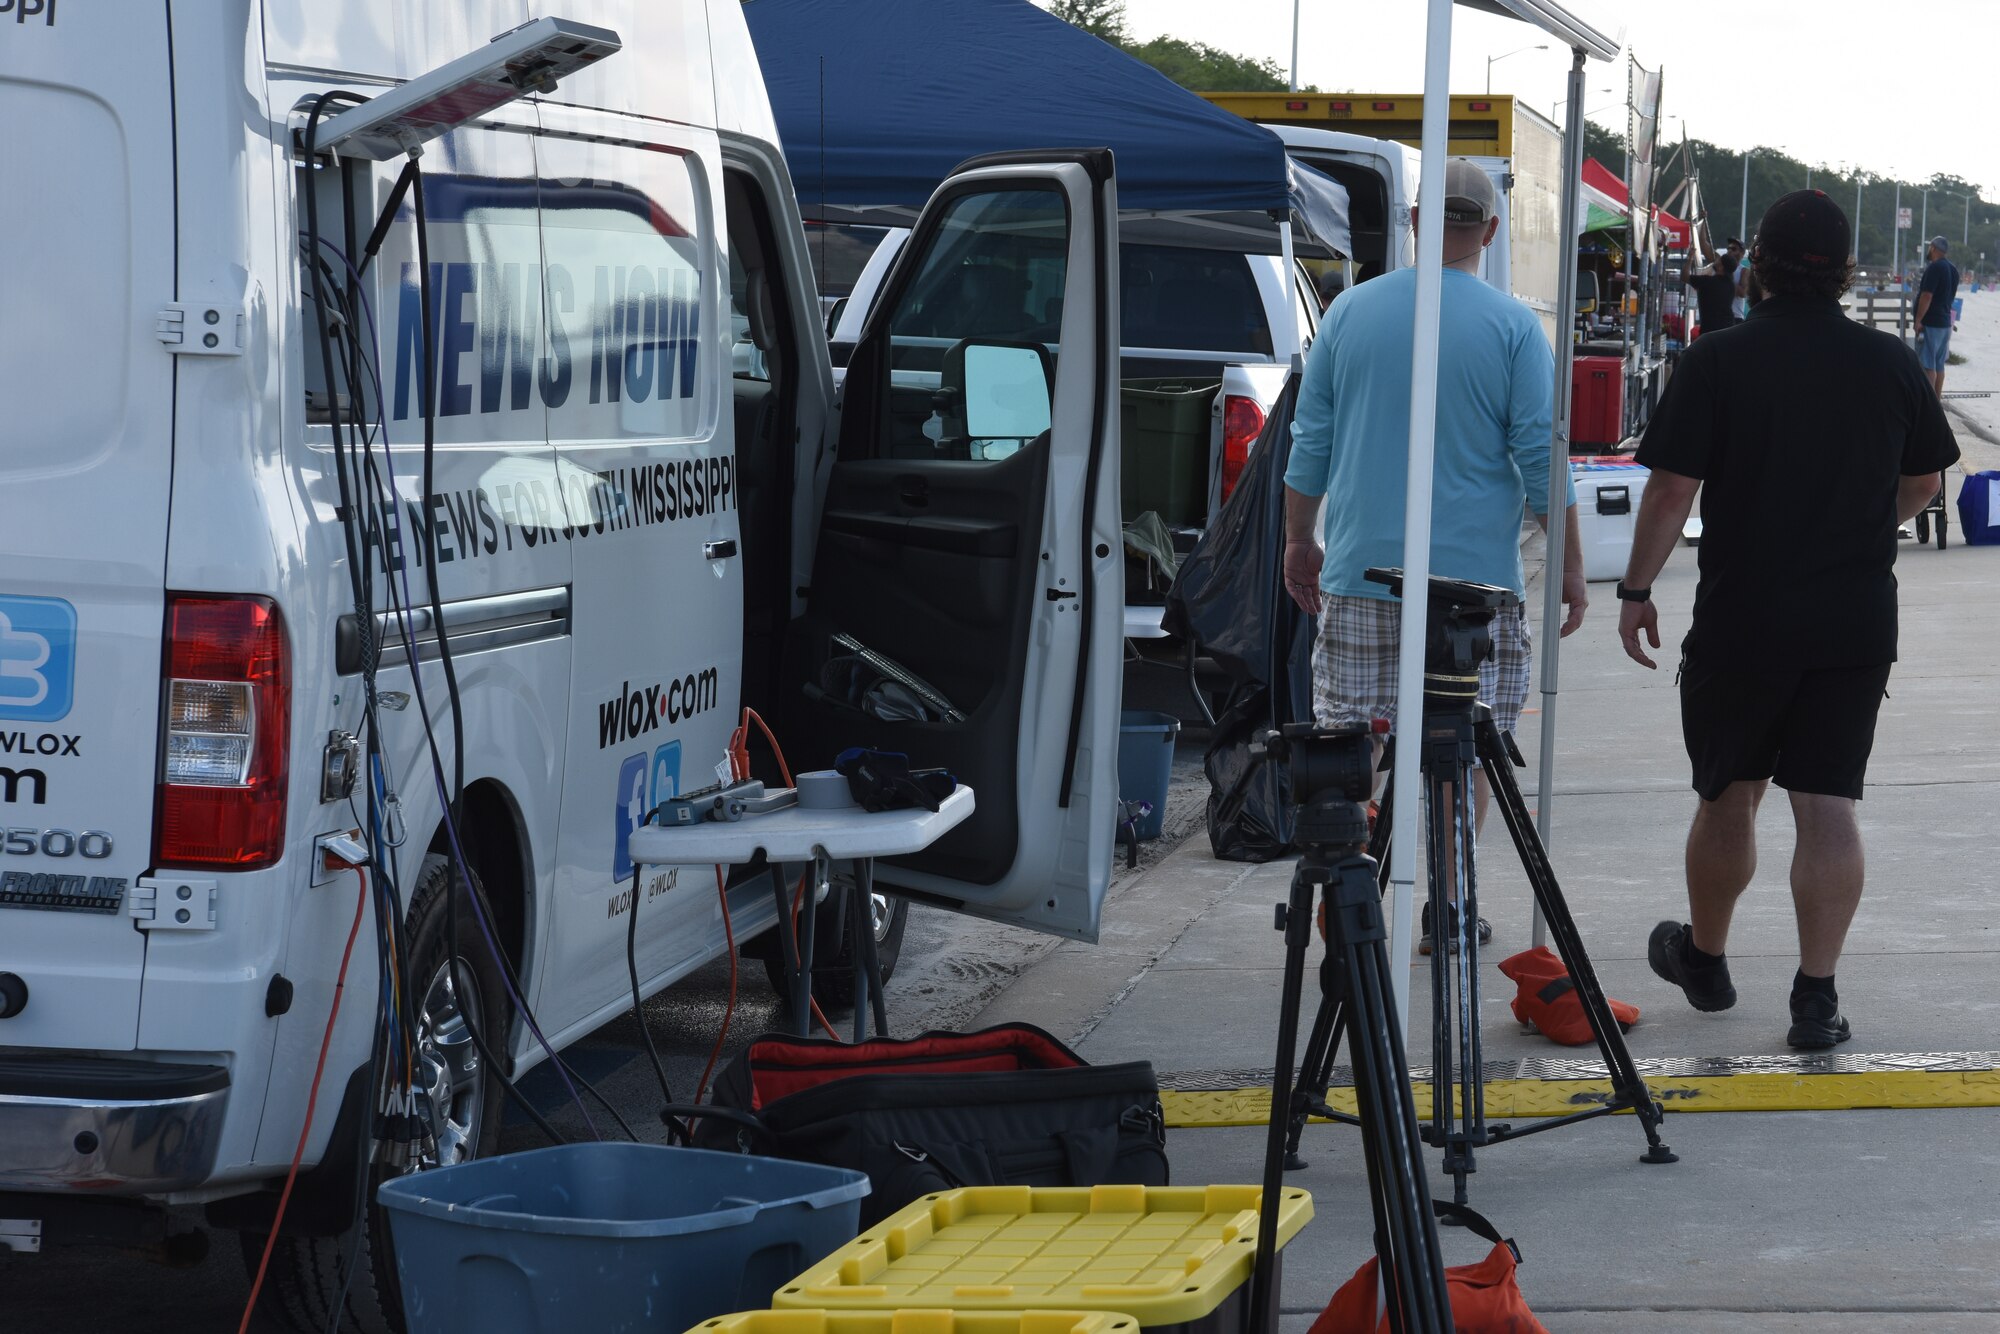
112, 1125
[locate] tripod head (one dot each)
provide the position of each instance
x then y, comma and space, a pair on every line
1332, 773
1458, 635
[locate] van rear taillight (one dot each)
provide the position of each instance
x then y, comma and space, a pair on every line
1242, 423
222, 775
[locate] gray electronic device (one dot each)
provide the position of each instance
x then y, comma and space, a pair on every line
527, 59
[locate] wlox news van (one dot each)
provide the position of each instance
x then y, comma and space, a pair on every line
233, 574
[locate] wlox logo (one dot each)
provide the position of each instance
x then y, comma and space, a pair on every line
37, 660
631, 713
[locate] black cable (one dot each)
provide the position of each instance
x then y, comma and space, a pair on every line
424, 499
455, 803
674, 1128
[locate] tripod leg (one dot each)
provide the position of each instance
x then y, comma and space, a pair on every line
1296, 922
1471, 1065
1316, 1067
1440, 943
1627, 1086
1399, 1192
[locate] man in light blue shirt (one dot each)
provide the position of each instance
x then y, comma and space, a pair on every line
1350, 445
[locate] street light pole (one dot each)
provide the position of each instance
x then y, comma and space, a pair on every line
1896, 247
1489, 60
1857, 217
1745, 225
1965, 237
1295, 48
1924, 223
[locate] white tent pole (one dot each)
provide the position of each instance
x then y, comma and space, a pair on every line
1552, 600
1404, 859
1289, 258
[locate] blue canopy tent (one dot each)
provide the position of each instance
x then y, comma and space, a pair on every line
878, 100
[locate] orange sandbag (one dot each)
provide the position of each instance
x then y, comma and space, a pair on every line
1485, 1297
1546, 998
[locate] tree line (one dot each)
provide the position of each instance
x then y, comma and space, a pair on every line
1956, 210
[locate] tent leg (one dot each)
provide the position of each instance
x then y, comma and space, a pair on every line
1552, 569
1291, 265
1404, 860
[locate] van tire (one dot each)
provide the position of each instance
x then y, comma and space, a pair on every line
304, 1280
833, 955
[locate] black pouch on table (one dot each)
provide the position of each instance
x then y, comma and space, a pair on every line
1006, 1106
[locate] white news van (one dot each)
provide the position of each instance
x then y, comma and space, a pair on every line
630, 538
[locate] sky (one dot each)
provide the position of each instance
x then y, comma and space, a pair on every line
1830, 81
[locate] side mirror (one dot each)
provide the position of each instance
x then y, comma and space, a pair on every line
1005, 390
833, 314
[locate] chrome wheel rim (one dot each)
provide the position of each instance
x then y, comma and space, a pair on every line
449, 1071
880, 914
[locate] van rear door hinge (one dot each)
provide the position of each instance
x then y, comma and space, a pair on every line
202, 329
173, 903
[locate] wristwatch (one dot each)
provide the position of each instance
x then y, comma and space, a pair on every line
1633, 594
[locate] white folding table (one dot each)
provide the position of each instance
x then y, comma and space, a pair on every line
821, 837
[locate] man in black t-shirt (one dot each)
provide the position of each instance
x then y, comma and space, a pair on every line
1934, 301
1811, 438
1714, 285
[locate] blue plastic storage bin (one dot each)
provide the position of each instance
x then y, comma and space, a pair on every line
1146, 763
1979, 509
609, 1237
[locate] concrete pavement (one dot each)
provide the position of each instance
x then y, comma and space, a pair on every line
1837, 1220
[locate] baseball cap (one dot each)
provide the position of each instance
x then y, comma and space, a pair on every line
1468, 192
1807, 228
1942, 246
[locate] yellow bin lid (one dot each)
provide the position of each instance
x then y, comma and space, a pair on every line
1165, 1255
915, 1321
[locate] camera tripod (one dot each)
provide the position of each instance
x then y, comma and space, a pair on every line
1355, 975
1458, 731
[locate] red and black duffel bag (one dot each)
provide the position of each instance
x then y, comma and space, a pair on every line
1008, 1105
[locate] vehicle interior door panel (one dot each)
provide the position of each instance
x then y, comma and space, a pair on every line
932, 563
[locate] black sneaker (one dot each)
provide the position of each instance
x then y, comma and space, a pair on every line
1707, 988
1817, 1022
1424, 931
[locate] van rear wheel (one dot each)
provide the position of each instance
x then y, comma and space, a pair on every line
354, 1274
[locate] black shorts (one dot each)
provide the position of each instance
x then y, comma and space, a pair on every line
1807, 731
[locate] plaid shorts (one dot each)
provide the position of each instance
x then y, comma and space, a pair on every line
1354, 663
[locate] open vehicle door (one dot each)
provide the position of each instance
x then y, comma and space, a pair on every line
971, 535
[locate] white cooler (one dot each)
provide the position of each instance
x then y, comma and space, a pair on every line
1607, 512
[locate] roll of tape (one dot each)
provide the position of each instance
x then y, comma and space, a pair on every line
825, 790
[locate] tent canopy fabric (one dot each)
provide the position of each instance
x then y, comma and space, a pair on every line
878, 100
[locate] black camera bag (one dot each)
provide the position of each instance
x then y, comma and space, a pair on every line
1008, 1105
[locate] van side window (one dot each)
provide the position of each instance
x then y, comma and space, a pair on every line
625, 238
983, 307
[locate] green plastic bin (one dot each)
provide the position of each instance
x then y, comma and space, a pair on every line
1164, 428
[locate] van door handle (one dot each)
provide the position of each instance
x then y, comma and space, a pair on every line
721, 549
914, 492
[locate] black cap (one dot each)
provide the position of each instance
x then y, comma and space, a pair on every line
1806, 228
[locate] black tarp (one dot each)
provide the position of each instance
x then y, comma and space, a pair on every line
1229, 601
